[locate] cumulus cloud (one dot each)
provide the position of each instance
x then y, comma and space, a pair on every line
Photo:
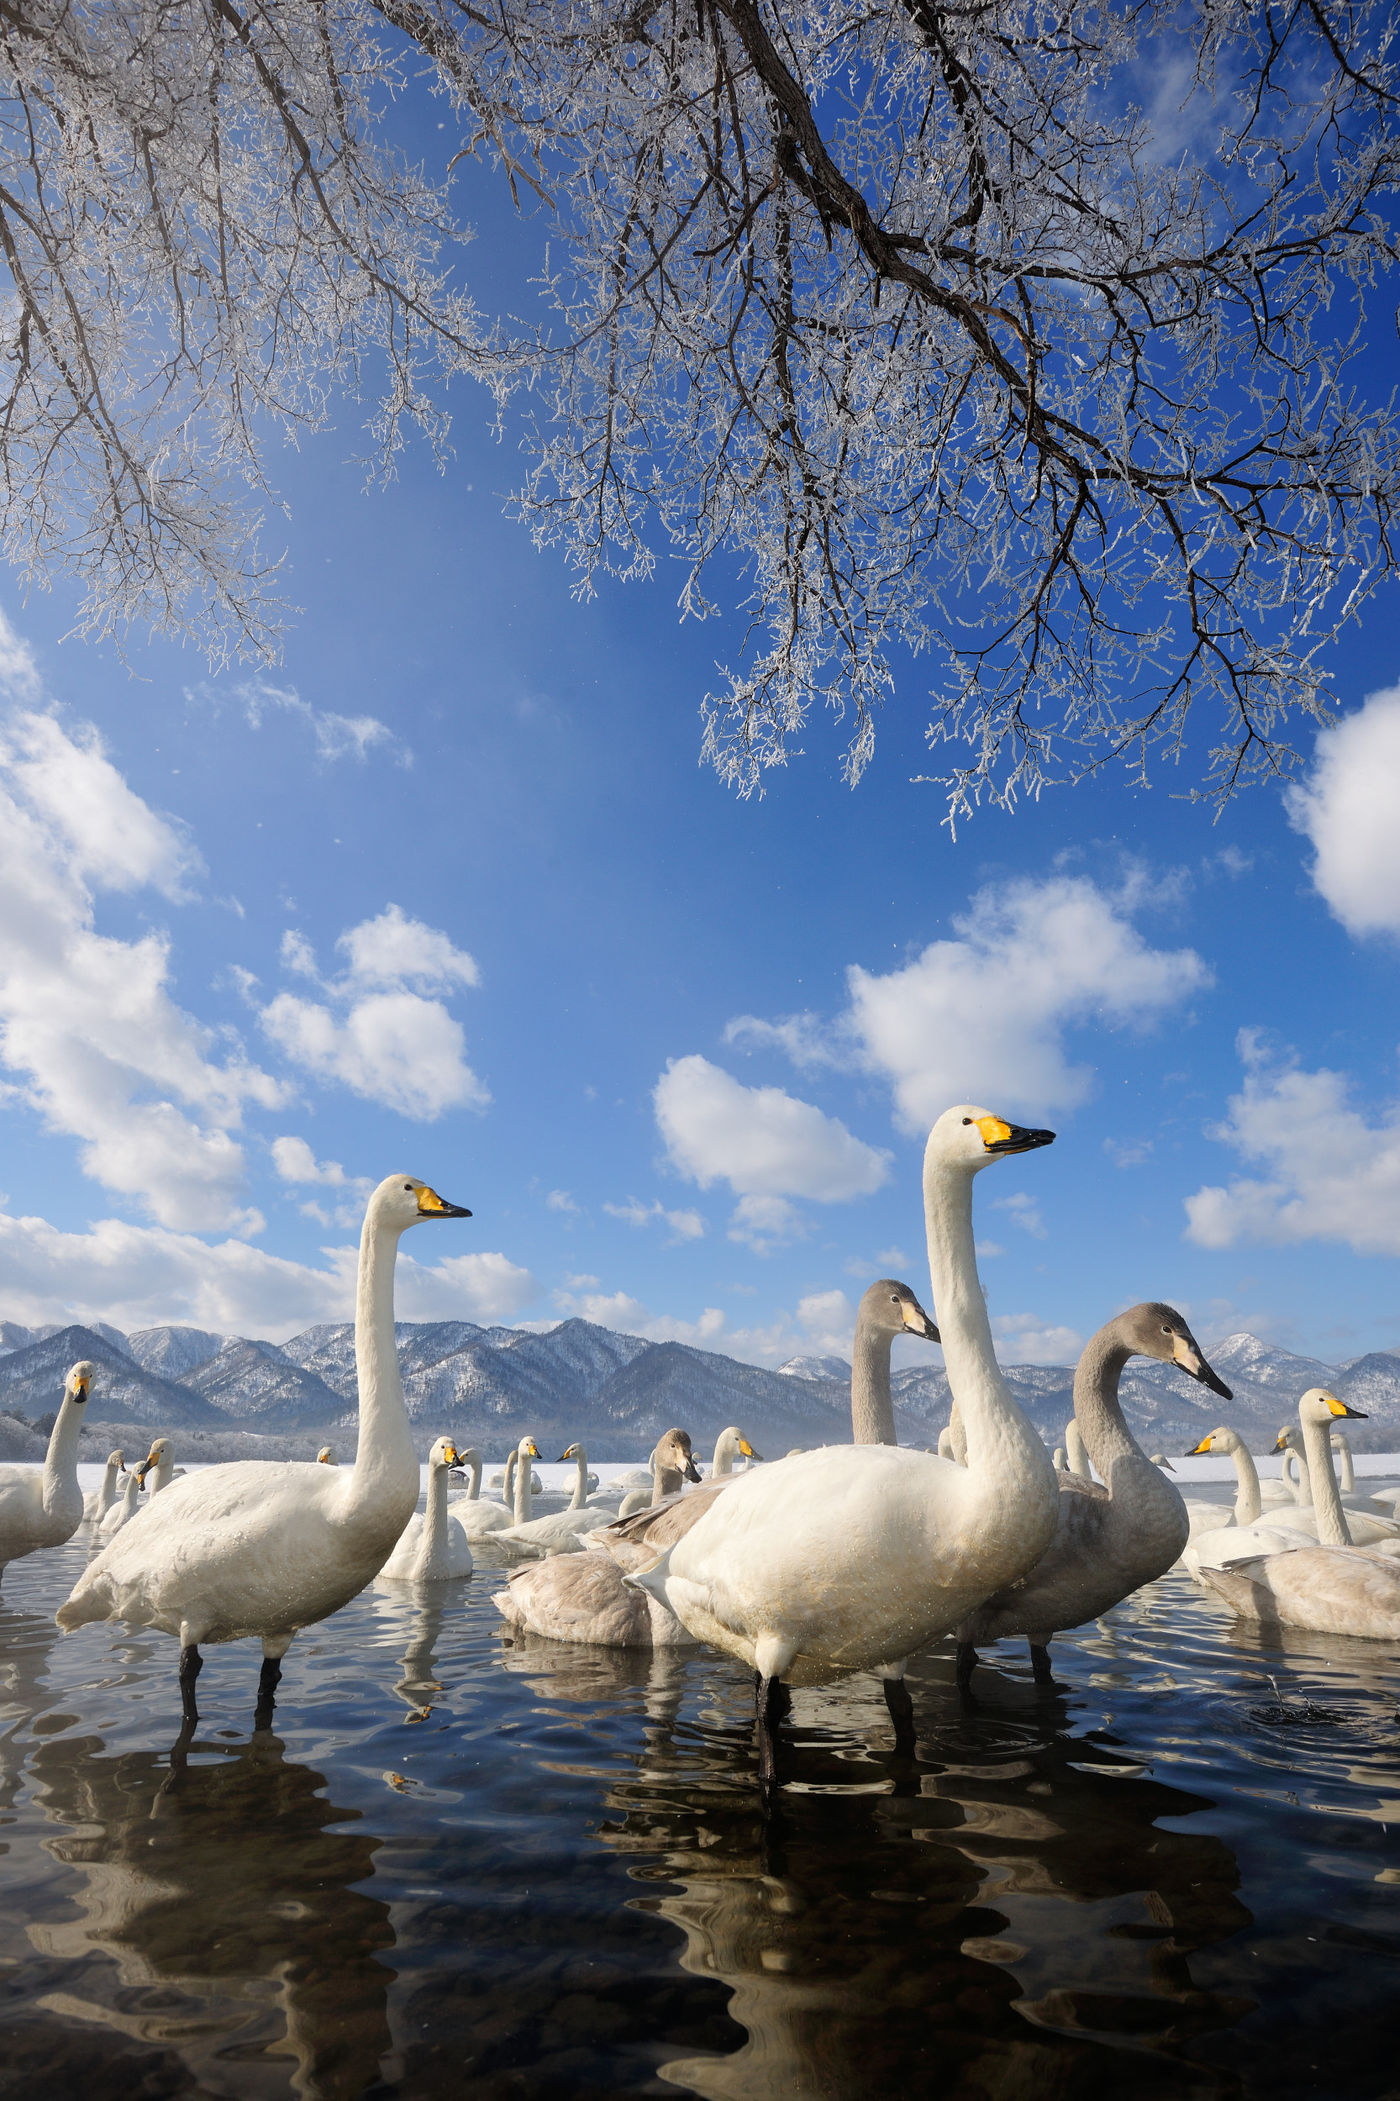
821, 1325
684, 1225
143, 1276
1022, 1338
762, 1141
88, 1025
378, 1031
1328, 1171
984, 1017
1347, 809
295, 1162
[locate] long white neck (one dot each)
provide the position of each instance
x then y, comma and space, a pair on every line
1078, 1450
474, 1487
580, 1494
1332, 1528
107, 1494
1348, 1471
872, 1405
434, 1518
1248, 1503
1300, 1481
384, 1477
1008, 1467
523, 1466
61, 1492
725, 1449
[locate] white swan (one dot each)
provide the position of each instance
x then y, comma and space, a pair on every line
99, 1500
1108, 1540
261, 1548
583, 1597
1234, 1534
514, 1541
1330, 1588
123, 1510
42, 1506
473, 1512
157, 1469
1078, 1452
560, 1531
854, 1557
432, 1545
1366, 1528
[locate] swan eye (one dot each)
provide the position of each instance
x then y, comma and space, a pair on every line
966, 1120
409, 1187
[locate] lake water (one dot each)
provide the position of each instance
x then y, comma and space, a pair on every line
462, 1866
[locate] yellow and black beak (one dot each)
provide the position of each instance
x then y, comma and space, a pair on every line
917, 1322
450, 1455
999, 1137
1281, 1441
1197, 1450
1340, 1408
80, 1388
431, 1205
746, 1450
1186, 1354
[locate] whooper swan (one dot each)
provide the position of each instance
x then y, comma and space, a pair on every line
583, 1597
432, 1545
157, 1469
1108, 1540
123, 1510
261, 1548
99, 1500
1238, 1533
42, 1506
476, 1516
855, 1557
1330, 1588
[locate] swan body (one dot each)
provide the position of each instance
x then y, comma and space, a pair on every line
123, 1510
42, 1506
516, 1541
261, 1548
852, 1557
432, 1545
1236, 1534
1330, 1588
584, 1597
475, 1516
561, 1531
99, 1500
1108, 1540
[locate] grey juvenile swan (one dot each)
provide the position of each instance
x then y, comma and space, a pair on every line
1110, 1539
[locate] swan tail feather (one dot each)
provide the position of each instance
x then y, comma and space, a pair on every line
653, 1578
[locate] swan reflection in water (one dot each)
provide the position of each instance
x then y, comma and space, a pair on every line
228, 1904
998, 1912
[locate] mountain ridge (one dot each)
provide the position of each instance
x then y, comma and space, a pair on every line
610, 1390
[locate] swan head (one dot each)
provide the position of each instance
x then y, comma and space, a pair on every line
1161, 1459
673, 1454
159, 1447
402, 1201
1221, 1440
1316, 1406
575, 1451
117, 1459
527, 1449
78, 1383
1155, 1330
326, 1456
890, 1308
969, 1137
443, 1453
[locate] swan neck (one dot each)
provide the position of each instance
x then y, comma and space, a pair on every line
1348, 1470
872, 1406
1248, 1502
60, 1487
580, 1495
1121, 1463
474, 1487
665, 1481
386, 1465
435, 1516
1332, 1528
723, 1461
1006, 1458
523, 1469
1077, 1450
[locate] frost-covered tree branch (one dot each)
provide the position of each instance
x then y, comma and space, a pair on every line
1029, 337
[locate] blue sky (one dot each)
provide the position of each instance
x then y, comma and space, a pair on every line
449, 892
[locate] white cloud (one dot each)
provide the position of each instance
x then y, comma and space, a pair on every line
337, 736
1328, 1171
765, 1222
143, 1276
684, 1225
760, 1140
1347, 809
1021, 1338
1024, 1212
87, 1022
821, 1325
805, 1039
560, 1200
983, 1017
295, 1162
377, 1032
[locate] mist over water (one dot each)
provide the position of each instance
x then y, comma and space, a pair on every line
463, 1865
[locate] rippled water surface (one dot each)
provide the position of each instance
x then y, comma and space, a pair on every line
460, 1866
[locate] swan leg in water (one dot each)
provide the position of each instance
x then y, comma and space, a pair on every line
773, 1703
191, 1664
1041, 1668
967, 1664
901, 1709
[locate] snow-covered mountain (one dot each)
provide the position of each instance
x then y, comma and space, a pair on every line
488, 1386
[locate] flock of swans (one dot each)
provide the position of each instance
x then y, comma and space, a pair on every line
848, 1557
